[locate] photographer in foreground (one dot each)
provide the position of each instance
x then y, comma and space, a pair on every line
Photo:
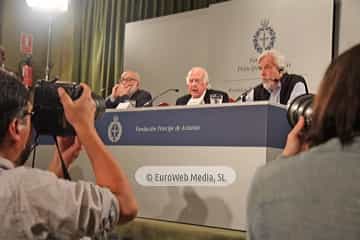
36, 204
315, 194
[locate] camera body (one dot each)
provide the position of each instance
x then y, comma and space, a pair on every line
49, 118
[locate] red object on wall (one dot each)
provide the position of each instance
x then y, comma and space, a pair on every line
26, 43
27, 75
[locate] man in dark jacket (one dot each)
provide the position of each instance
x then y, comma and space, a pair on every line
197, 82
126, 90
277, 85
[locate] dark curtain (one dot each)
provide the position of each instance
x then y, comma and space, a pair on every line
99, 34
143, 9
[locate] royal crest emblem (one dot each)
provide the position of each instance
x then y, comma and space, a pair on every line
264, 38
114, 130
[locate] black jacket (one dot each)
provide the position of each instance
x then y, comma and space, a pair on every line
140, 96
184, 99
288, 81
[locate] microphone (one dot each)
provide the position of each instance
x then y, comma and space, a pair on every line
56, 78
148, 103
243, 95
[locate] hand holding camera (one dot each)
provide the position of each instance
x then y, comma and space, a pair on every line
294, 142
81, 108
299, 115
70, 148
80, 112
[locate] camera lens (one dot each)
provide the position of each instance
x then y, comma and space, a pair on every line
99, 103
300, 106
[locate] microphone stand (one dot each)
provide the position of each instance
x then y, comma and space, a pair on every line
242, 97
148, 103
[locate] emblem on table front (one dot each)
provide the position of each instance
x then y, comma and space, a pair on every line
114, 130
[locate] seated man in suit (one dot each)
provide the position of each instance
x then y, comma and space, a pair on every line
277, 85
128, 88
197, 82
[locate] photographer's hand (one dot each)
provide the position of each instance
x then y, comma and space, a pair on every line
81, 112
294, 143
70, 148
108, 173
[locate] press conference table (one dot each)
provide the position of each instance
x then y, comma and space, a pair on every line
180, 148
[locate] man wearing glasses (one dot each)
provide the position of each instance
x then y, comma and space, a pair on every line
37, 204
127, 89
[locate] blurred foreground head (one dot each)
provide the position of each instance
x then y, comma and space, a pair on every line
336, 110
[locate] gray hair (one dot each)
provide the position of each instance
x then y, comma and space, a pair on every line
279, 59
205, 78
137, 75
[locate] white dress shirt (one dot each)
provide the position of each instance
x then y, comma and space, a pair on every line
197, 101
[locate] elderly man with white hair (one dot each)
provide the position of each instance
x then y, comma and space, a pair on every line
277, 85
197, 82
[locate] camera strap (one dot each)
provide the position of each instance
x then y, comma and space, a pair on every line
33, 149
63, 166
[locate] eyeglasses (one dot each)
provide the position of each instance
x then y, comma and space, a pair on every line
128, 80
31, 113
24, 113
